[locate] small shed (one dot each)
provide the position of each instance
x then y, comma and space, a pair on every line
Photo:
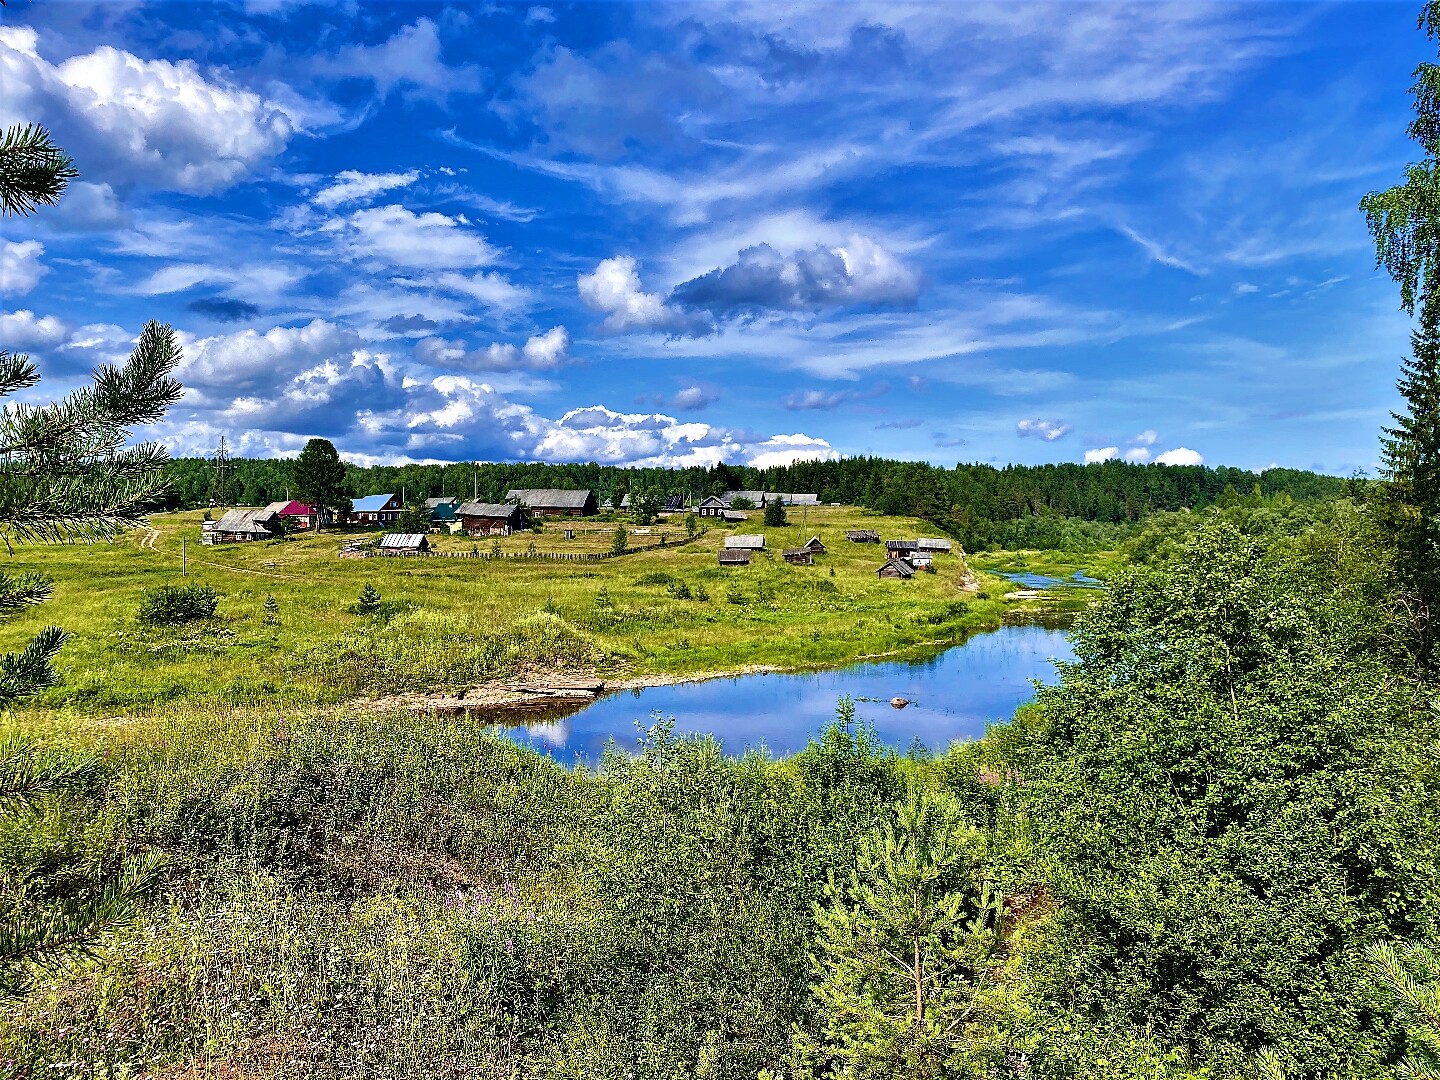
862, 536
801, 556
814, 546
895, 568
922, 560
734, 516
734, 557
404, 544
746, 542
935, 544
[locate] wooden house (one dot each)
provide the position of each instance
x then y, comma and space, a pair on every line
755, 498
901, 548
376, 510
239, 526
555, 502
712, 506
896, 568
862, 536
404, 544
745, 542
791, 498
935, 544
814, 546
442, 511
490, 519
734, 557
801, 556
297, 515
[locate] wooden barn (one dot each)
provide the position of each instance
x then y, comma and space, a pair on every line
490, 519
862, 536
734, 557
814, 546
745, 542
404, 544
896, 568
901, 548
801, 556
555, 502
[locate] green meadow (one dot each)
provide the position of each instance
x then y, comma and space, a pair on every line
449, 623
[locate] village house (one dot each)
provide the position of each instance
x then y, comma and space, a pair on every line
404, 544
441, 511
734, 557
711, 506
297, 514
555, 502
376, 510
896, 568
935, 544
490, 519
745, 542
238, 526
901, 548
801, 556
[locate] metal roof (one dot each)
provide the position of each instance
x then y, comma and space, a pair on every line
927, 543
371, 503
570, 500
755, 497
404, 541
443, 500
486, 510
241, 521
905, 569
745, 541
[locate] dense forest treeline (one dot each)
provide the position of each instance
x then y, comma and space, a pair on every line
1064, 506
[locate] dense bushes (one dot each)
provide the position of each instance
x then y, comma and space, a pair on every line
171, 605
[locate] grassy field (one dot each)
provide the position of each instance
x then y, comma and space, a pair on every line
453, 623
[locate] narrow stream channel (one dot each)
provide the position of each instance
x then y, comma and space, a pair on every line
953, 695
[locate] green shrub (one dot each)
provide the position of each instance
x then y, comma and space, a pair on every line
171, 605
369, 601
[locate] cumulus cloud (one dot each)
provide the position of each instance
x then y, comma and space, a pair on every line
1181, 455
1145, 438
411, 61
351, 186
1101, 453
1049, 430
693, 398
859, 272
24, 330
613, 288
1138, 455
152, 120
89, 208
543, 352
224, 308
20, 266
399, 237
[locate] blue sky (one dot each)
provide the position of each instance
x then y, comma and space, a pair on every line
679, 233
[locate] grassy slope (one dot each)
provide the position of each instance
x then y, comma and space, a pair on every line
455, 622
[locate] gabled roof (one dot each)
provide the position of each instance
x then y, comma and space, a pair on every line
403, 541
793, 498
928, 543
443, 500
487, 510
371, 503
745, 541
242, 521
674, 502
570, 500
713, 500
736, 556
814, 544
755, 497
901, 545
899, 565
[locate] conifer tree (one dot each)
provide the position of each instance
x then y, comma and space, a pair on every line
1405, 222
320, 478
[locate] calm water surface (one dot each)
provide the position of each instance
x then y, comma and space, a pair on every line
953, 695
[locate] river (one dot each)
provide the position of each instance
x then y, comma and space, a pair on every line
953, 695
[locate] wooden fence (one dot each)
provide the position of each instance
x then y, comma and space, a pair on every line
353, 551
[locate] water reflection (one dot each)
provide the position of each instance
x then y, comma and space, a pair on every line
953, 695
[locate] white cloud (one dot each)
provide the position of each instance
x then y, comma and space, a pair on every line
352, 186
1102, 453
542, 352
23, 330
693, 397
20, 266
1181, 455
1049, 430
1158, 253
396, 236
411, 60
540, 15
495, 291
613, 288
134, 119
1147, 437
1137, 455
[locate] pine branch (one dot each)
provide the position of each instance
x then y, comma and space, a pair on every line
19, 591
34, 172
56, 938
17, 372
31, 670
31, 770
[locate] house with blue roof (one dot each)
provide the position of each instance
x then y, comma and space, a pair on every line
375, 510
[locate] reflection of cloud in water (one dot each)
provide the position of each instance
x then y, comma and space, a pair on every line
954, 695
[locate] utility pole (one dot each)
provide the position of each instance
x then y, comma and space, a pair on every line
184, 565
474, 483
221, 496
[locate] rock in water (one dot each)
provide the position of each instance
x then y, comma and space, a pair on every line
899, 702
